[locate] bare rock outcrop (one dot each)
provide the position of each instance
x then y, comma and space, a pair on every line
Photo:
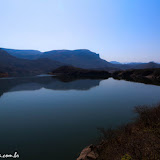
88, 153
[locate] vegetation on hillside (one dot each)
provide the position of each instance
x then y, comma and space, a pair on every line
151, 73
147, 76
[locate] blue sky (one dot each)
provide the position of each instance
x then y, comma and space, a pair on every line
120, 30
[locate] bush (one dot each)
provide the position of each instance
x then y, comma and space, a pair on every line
140, 139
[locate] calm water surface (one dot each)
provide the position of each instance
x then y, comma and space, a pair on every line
43, 118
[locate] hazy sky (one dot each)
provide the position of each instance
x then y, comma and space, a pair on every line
121, 30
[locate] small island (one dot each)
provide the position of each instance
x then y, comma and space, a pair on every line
74, 72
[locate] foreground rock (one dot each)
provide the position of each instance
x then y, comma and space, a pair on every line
88, 153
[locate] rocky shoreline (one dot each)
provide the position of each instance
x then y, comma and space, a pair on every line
137, 140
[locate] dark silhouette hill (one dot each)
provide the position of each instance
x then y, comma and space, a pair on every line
81, 58
147, 76
152, 73
24, 54
20, 67
70, 71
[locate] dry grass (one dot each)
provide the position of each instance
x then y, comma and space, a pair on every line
136, 141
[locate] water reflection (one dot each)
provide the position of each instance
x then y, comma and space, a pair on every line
45, 118
140, 80
48, 82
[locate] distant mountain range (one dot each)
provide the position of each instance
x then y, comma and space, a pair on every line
16, 66
33, 62
82, 58
115, 62
24, 54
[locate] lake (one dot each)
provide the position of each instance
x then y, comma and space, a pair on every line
43, 118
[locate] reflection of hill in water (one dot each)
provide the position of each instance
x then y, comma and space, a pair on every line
35, 83
140, 80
